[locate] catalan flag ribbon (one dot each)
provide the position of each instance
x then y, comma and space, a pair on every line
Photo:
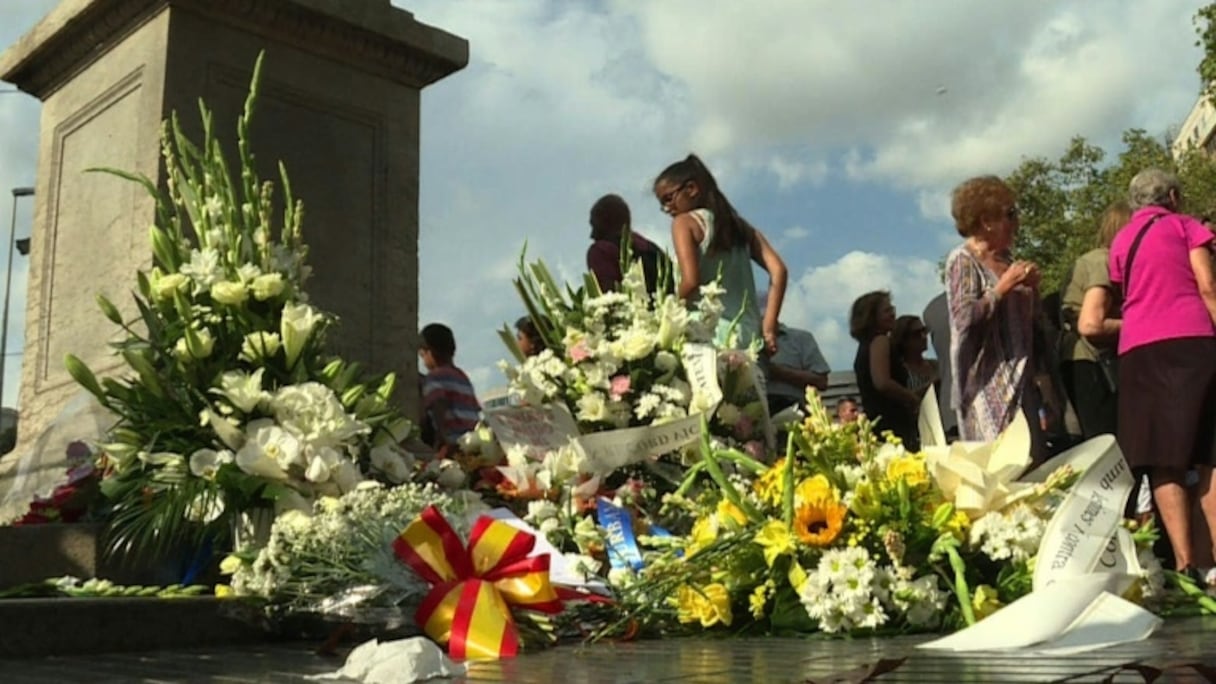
474, 588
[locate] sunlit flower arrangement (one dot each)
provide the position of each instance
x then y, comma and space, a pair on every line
230, 401
337, 560
846, 534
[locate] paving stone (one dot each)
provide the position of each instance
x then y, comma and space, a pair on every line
675, 661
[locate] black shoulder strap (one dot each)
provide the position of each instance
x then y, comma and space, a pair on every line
1131, 253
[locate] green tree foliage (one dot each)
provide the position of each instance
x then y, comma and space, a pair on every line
1205, 27
1062, 200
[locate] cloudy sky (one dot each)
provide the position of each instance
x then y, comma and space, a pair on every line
837, 128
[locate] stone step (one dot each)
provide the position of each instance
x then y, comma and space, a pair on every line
65, 626
36, 552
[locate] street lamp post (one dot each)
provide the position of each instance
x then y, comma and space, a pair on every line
8, 284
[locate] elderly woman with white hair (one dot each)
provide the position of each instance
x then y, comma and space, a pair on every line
1162, 263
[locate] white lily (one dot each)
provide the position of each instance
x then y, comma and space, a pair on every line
297, 325
980, 477
268, 451
243, 390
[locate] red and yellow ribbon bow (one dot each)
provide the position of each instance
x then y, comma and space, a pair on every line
472, 590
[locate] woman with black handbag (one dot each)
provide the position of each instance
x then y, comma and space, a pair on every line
1090, 319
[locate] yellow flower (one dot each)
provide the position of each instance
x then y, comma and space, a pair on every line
768, 485
709, 605
911, 469
776, 540
703, 533
814, 489
958, 525
758, 601
223, 591
819, 522
984, 601
729, 511
229, 565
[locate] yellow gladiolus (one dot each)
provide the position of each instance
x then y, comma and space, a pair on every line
769, 485
729, 511
710, 605
776, 540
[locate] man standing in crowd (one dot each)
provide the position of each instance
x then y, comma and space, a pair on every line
798, 364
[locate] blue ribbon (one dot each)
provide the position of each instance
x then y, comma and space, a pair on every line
622, 549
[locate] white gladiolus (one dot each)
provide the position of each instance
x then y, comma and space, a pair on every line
203, 268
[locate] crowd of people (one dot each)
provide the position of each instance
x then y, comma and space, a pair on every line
1130, 352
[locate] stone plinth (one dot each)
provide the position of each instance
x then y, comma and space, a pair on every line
339, 105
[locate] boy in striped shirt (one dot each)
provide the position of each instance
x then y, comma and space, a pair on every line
448, 400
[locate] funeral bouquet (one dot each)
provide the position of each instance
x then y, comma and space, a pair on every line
230, 401
337, 560
846, 534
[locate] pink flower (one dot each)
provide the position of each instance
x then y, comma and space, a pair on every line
755, 449
620, 386
743, 428
579, 352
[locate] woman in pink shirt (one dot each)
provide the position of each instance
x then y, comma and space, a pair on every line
1162, 262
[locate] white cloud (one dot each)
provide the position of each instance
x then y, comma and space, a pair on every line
819, 300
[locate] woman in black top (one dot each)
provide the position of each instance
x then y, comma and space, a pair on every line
882, 383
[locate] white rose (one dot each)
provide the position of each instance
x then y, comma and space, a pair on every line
258, 346
666, 362
637, 344
267, 286
165, 286
229, 293
195, 344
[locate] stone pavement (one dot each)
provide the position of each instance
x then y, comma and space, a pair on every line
685, 661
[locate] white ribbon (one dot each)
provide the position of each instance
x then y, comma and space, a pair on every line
1086, 561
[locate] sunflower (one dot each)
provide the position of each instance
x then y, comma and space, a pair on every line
819, 522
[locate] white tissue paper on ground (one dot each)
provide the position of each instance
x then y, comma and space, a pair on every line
402, 661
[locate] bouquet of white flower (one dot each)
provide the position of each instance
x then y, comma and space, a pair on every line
231, 402
339, 561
